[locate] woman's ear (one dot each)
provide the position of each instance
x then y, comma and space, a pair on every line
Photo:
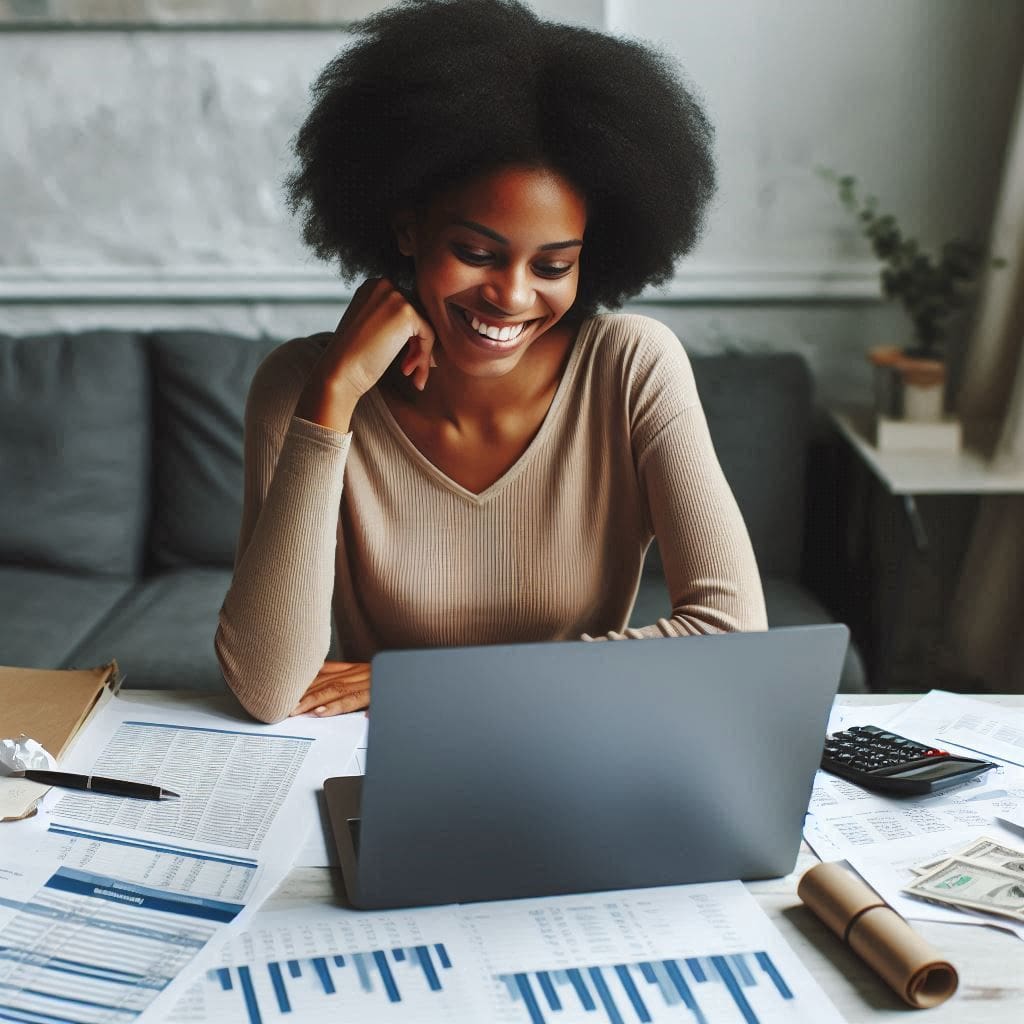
404, 226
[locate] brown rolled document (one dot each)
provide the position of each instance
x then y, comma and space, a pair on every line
878, 935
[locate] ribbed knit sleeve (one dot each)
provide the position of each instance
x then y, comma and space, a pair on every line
274, 629
709, 563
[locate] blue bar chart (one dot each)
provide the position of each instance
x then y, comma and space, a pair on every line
359, 984
745, 988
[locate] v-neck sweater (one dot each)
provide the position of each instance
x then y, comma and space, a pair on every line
362, 526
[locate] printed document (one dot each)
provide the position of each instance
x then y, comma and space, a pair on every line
696, 952
125, 895
882, 836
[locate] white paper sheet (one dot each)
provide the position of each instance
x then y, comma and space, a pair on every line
86, 946
995, 732
316, 963
708, 948
887, 870
318, 850
198, 863
699, 952
883, 836
846, 716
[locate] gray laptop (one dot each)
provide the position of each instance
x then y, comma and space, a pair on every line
530, 770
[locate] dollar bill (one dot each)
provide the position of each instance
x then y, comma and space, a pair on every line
983, 850
965, 883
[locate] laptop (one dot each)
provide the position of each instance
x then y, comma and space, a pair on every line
530, 770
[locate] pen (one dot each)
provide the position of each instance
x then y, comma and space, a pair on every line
95, 783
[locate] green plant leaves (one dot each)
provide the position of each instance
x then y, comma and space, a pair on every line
929, 291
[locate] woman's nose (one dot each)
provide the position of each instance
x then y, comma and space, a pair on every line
508, 289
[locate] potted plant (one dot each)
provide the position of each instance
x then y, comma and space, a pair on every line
910, 379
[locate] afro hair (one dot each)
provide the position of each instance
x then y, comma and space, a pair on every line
432, 93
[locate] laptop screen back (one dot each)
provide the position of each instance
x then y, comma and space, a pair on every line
526, 770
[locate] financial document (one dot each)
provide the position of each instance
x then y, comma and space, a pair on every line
85, 946
319, 963
703, 953
883, 837
149, 884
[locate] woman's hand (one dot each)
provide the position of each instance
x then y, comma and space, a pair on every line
339, 687
379, 322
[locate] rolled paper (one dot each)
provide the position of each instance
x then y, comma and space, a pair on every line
851, 909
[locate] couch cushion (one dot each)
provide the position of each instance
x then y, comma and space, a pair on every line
162, 632
44, 615
200, 384
759, 409
74, 452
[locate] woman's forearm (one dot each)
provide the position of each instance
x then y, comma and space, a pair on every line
275, 623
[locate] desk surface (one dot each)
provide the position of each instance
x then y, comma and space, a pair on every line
990, 962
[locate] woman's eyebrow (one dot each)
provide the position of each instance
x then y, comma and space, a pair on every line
474, 226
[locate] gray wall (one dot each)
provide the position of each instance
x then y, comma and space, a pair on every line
140, 172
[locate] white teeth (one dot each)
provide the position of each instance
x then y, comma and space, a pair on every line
508, 333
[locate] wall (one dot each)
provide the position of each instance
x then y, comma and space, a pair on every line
140, 175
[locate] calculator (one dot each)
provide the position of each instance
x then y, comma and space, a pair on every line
876, 759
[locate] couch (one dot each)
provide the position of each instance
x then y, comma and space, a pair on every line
121, 482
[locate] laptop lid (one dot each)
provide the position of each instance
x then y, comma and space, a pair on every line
509, 771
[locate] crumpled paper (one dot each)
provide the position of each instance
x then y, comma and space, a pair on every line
24, 754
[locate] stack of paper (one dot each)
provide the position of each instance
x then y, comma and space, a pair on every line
886, 838
113, 904
696, 952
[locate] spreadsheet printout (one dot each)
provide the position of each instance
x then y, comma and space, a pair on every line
149, 883
318, 963
680, 953
700, 953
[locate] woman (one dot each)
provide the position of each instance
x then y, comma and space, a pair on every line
474, 456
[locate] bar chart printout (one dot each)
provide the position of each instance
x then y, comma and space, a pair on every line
316, 963
696, 954
385, 985
742, 987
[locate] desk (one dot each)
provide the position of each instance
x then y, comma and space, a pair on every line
910, 473
990, 962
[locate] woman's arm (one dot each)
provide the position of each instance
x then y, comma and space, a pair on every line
709, 563
705, 549
275, 624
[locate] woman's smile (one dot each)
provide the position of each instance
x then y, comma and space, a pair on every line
496, 336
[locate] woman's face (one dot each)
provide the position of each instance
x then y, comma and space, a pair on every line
497, 264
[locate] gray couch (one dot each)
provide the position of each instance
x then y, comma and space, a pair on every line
121, 479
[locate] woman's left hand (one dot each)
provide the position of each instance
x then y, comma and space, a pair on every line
339, 687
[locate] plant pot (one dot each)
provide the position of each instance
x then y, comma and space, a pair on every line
888, 384
924, 389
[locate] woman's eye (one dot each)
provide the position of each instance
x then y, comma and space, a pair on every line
475, 256
554, 269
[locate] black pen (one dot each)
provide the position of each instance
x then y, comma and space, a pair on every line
95, 783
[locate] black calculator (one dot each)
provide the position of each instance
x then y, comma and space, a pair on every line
876, 759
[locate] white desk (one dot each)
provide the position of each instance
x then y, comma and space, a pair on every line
916, 473
990, 962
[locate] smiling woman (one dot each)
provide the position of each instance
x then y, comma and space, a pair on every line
476, 454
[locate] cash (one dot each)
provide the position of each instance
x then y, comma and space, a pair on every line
984, 851
971, 884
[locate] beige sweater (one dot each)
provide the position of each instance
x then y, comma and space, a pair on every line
362, 523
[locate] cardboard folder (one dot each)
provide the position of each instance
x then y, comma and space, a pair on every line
51, 706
